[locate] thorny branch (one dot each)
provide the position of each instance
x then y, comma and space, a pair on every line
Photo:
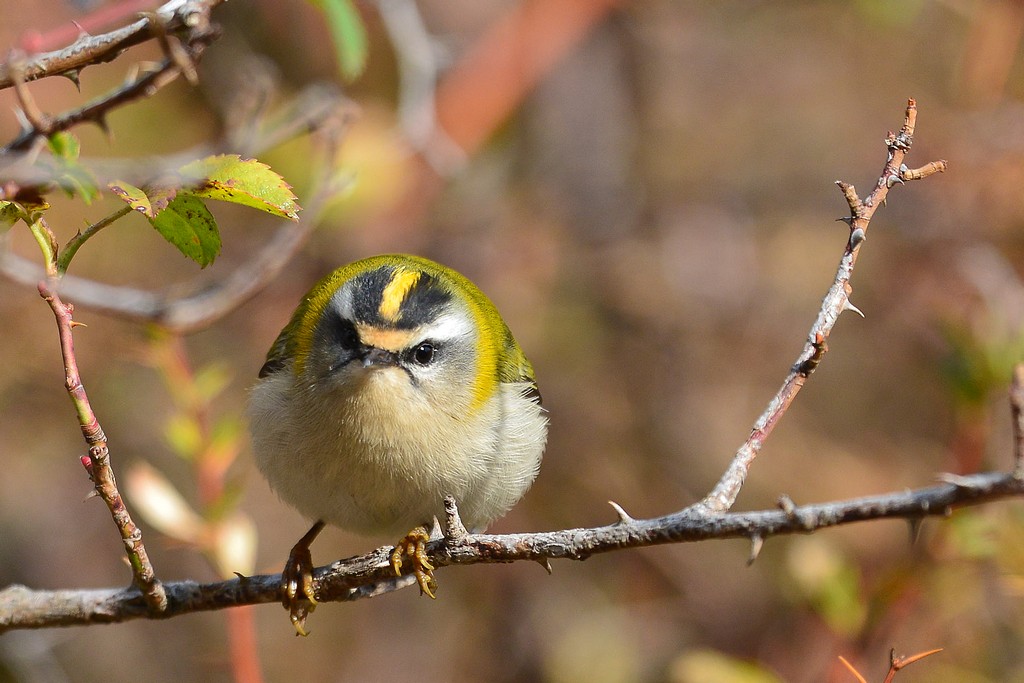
97, 463
895, 664
87, 50
836, 301
371, 574
183, 29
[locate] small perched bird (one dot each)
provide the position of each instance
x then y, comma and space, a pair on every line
395, 383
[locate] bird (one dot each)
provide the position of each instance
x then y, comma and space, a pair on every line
395, 383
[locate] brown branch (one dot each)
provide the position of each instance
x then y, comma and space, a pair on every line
371, 574
98, 462
88, 50
1017, 411
836, 301
192, 18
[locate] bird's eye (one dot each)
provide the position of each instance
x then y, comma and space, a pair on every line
346, 335
424, 353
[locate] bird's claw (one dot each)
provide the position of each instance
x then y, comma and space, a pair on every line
297, 591
414, 546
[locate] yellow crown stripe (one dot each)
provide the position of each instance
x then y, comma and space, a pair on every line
395, 292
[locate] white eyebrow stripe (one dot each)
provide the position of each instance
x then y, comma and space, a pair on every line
451, 325
342, 303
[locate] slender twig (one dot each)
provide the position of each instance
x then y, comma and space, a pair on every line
897, 663
836, 301
75, 243
371, 574
852, 670
98, 462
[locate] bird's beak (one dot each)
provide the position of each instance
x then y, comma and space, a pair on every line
381, 357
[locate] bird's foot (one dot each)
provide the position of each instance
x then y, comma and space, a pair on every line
414, 547
297, 582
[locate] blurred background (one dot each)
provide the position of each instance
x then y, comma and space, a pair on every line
646, 191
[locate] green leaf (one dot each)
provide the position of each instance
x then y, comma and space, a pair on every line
133, 197
229, 178
76, 180
72, 176
64, 145
188, 224
10, 213
349, 35
147, 202
699, 665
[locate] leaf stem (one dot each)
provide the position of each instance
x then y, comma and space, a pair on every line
47, 244
71, 248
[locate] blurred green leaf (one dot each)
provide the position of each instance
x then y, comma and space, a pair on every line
188, 224
64, 145
184, 436
701, 666
228, 501
229, 178
890, 13
72, 176
829, 583
211, 380
349, 35
973, 534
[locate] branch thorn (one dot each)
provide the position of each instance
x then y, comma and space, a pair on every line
959, 481
624, 517
73, 76
914, 525
787, 505
546, 563
454, 529
756, 543
848, 306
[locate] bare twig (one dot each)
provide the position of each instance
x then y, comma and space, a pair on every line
897, 663
98, 462
852, 670
836, 301
371, 574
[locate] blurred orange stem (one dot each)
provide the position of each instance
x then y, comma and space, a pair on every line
245, 661
494, 76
